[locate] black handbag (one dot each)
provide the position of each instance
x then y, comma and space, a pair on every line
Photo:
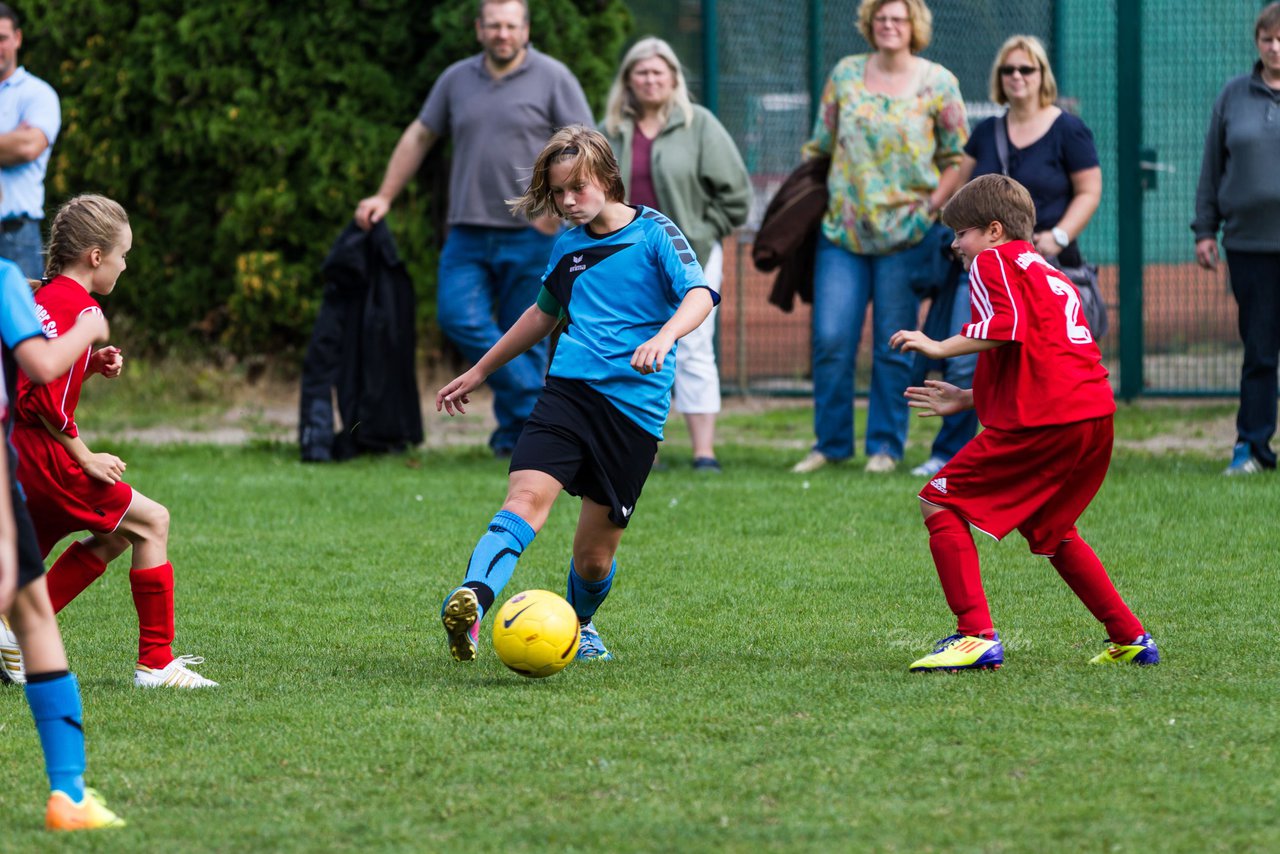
1085, 275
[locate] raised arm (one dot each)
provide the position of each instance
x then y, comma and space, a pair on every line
694, 308
534, 325
43, 359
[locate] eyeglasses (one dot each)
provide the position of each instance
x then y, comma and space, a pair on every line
1024, 70
890, 20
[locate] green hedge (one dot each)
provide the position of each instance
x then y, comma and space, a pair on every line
241, 134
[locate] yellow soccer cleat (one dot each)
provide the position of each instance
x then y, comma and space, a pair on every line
90, 814
1142, 652
962, 652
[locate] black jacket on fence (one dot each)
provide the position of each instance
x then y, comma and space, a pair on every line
788, 235
363, 344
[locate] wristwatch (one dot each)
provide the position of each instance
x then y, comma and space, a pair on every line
1060, 237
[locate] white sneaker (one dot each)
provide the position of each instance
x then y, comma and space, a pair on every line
881, 463
175, 674
929, 467
11, 667
814, 461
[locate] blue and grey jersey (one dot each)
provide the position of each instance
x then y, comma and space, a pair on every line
617, 290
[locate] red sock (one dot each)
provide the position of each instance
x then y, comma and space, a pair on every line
153, 599
1084, 574
956, 558
72, 572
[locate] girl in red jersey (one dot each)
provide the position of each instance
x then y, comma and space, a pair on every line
69, 487
1046, 407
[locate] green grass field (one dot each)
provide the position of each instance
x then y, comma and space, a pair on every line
762, 624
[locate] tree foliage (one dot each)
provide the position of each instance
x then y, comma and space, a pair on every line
241, 134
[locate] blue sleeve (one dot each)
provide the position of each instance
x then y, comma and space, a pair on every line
18, 320
1078, 150
679, 265
41, 109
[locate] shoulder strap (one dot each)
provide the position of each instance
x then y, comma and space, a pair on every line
1002, 143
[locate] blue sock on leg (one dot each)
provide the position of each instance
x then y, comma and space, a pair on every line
586, 596
495, 556
55, 705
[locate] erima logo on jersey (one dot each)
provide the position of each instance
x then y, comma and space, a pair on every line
626, 512
940, 484
578, 266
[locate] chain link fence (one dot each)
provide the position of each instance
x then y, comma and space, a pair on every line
773, 59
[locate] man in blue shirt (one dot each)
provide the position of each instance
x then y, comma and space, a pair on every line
30, 117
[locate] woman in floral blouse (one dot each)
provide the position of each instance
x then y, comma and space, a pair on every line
894, 127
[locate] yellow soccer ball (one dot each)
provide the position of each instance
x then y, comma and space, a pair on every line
536, 633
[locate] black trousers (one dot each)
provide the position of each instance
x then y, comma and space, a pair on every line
1255, 280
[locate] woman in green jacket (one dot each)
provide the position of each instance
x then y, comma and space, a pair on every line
677, 158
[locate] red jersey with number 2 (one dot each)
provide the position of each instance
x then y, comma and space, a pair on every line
1051, 374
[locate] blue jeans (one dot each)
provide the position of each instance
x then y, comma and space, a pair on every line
488, 278
23, 247
958, 429
843, 285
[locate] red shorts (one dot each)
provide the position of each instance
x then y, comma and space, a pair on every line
63, 499
1035, 481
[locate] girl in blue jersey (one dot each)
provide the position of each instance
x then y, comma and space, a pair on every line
627, 286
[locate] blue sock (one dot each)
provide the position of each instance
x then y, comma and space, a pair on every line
55, 705
586, 596
495, 556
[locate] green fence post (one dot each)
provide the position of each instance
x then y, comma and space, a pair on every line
1129, 187
710, 56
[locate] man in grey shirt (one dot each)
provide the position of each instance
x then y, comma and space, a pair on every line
500, 107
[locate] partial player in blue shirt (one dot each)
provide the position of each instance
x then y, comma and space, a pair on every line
627, 286
31, 648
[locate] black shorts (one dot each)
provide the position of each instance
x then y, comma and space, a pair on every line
30, 561
581, 439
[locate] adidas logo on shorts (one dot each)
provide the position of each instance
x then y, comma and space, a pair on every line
940, 484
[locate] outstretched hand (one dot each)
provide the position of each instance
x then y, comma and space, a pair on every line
908, 340
649, 356
936, 398
456, 394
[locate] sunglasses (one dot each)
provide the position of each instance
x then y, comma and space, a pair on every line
1024, 70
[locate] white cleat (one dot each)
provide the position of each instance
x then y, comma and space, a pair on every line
11, 667
175, 674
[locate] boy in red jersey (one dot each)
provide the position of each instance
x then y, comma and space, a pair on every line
1043, 397
69, 487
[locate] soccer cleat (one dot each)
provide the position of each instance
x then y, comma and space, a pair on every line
175, 674
929, 467
11, 668
1242, 461
1141, 652
962, 652
590, 647
881, 463
91, 813
461, 617
814, 461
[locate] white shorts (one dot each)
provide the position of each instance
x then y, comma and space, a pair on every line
697, 383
